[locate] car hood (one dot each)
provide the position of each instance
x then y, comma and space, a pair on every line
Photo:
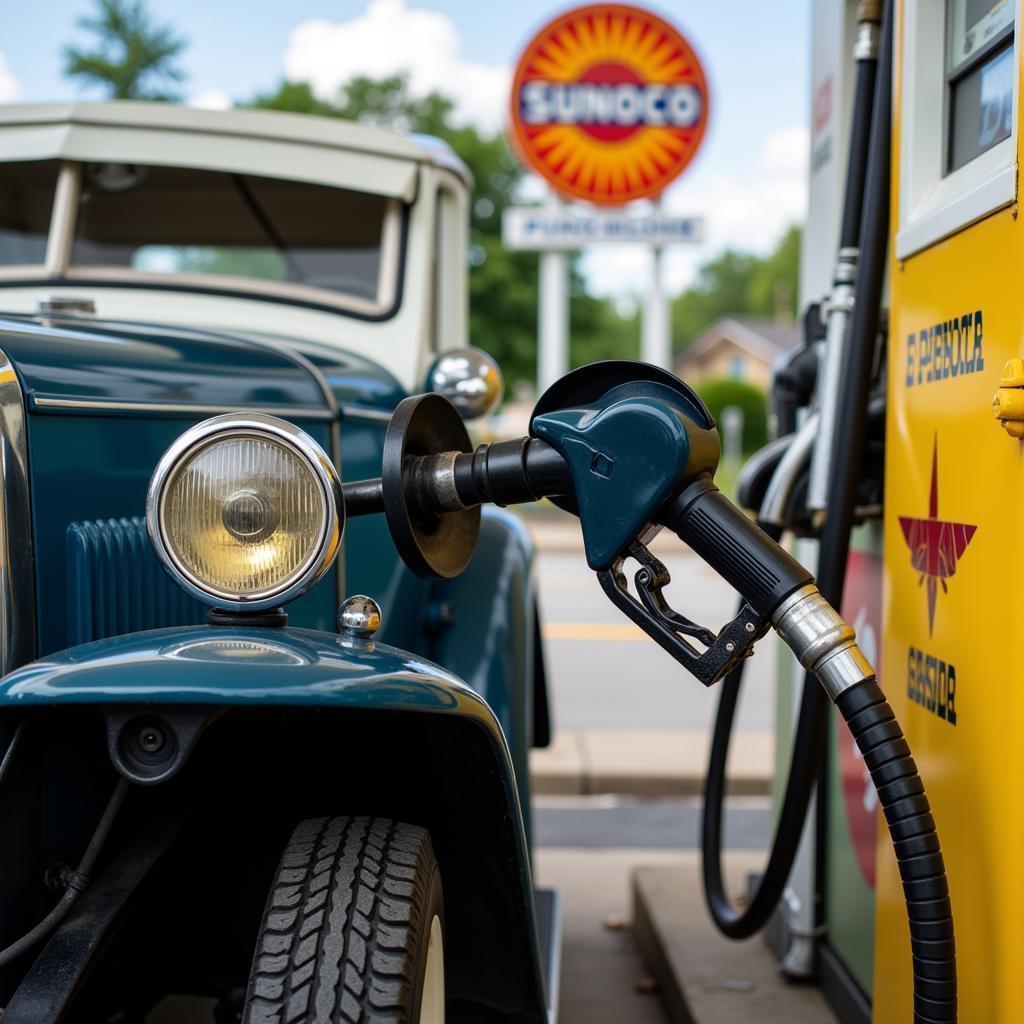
71, 362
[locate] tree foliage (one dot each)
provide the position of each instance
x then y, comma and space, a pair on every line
739, 284
133, 57
720, 393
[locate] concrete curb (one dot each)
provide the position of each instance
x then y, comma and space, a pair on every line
647, 763
704, 978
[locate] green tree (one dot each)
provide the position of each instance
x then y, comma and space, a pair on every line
721, 289
599, 331
739, 284
384, 102
774, 284
133, 57
720, 393
295, 98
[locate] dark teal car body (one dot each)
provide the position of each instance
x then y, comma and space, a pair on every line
430, 722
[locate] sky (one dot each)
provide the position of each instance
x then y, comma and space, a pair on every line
748, 182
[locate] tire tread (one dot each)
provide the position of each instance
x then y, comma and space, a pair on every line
341, 927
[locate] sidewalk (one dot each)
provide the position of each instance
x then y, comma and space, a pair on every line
647, 763
704, 978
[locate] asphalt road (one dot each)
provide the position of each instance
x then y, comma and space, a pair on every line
612, 822
605, 673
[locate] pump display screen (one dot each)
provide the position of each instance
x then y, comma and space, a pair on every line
979, 76
973, 25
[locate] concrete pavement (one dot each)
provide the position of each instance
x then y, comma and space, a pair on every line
704, 978
603, 980
638, 944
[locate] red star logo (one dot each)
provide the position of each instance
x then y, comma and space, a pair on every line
935, 546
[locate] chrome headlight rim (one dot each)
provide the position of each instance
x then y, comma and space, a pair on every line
257, 426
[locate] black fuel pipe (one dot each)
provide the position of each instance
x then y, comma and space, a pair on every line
864, 708
862, 115
871, 94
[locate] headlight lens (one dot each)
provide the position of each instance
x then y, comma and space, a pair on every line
244, 511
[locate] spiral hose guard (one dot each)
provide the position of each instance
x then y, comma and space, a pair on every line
901, 795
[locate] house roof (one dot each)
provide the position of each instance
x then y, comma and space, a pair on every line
764, 339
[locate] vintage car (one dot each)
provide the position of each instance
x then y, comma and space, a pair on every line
213, 811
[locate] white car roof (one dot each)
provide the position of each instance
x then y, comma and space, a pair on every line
274, 144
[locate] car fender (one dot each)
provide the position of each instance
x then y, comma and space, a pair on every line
486, 632
460, 783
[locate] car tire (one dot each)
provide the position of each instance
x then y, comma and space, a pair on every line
353, 929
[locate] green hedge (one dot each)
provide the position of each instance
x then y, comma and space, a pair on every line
722, 392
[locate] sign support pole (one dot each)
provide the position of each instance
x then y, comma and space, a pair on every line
655, 333
553, 316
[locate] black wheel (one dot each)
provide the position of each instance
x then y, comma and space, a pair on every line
353, 929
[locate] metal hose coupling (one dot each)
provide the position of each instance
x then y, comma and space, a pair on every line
823, 642
870, 10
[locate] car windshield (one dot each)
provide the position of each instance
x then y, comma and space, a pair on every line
26, 202
183, 221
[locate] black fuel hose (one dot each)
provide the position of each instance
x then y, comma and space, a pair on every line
907, 814
870, 106
771, 581
863, 707
808, 747
916, 843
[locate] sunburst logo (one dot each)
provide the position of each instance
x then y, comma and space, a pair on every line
609, 103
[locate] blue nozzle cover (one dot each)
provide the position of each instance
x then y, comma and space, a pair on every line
625, 459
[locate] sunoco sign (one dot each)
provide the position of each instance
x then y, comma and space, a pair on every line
609, 103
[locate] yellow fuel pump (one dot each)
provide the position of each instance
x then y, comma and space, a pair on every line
934, 495
954, 459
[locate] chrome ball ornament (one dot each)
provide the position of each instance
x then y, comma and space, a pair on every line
359, 616
470, 379
245, 511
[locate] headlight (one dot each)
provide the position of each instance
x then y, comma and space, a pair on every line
245, 511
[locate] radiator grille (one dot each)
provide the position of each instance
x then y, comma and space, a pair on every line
116, 585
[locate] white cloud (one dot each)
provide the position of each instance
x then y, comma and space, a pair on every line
786, 152
746, 208
10, 91
392, 36
211, 99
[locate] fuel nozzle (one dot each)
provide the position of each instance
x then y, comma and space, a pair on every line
629, 449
